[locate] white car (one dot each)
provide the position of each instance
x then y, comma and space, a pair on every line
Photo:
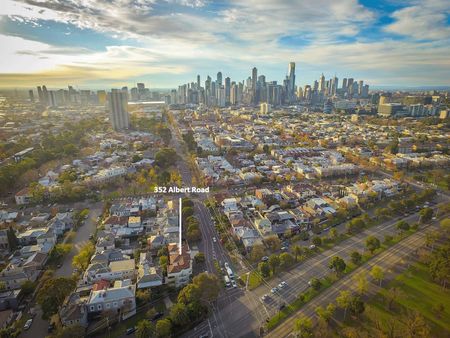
28, 324
233, 283
214, 239
283, 284
312, 246
265, 298
226, 265
274, 289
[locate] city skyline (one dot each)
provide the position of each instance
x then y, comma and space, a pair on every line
164, 43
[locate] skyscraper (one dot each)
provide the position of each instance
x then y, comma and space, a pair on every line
322, 83
291, 82
198, 81
31, 95
219, 78
254, 88
118, 109
227, 90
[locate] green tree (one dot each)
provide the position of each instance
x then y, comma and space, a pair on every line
286, 260
144, 329
316, 284
416, 325
361, 282
178, 315
163, 328
402, 225
27, 288
333, 234
13, 242
257, 252
52, 294
337, 264
209, 285
199, 258
356, 257
343, 301
274, 262
264, 268
356, 306
377, 273
317, 241
426, 214
82, 260
372, 243
298, 251
303, 327
439, 265
143, 296
273, 242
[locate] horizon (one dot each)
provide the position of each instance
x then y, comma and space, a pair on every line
93, 44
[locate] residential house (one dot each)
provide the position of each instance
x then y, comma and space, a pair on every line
179, 270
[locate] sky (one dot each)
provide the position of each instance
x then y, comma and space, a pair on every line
164, 43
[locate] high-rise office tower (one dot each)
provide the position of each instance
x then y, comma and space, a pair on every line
219, 78
31, 95
198, 81
254, 86
322, 83
291, 82
118, 109
101, 97
40, 94
45, 93
141, 91
360, 87
334, 85
344, 84
227, 90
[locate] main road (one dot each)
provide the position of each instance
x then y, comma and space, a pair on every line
243, 312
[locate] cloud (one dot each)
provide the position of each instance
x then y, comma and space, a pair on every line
425, 20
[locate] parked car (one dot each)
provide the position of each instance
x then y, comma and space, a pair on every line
130, 330
51, 327
312, 246
157, 316
214, 239
28, 324
274, 289
265, 259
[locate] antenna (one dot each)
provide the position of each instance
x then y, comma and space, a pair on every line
180, 218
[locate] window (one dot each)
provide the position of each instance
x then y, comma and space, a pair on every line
115, 304
92, 307
108, 305
99, 306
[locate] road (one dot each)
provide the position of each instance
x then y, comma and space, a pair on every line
387, 260
39, 327
242, 313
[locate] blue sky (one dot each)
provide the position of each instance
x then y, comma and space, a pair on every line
111, 43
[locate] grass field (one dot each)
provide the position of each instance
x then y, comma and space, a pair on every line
418, 293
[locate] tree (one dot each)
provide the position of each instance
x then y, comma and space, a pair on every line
274, 262
209, 286
143, 296
402, 225
333, 234
377, 273
13, 242
163, 328
52, 294
178, 314
361, 282
356, 306
392, 295
27, 288
165, 157
187, 212
264, 268
273, 242
372, 243
303, 327
286, 260
343, 301
337, 264
316, 283
298, 251
189, 294
439, 265
317, 241
257, 252
144, 329
81, 261
199, 258
416, 326
426, 214
445, 226
356, 257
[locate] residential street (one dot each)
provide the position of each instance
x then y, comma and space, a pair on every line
40, 326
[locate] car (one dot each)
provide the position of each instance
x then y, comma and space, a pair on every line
312, 246
284, 248
50, 327
265, 259
434, 218
28, 324
130, 330
214, 239
274, 289
283, 284
233, 283
226, 265
310, 283
59, 266
282, 306
280, 286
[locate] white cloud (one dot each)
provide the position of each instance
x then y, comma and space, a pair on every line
422, 21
